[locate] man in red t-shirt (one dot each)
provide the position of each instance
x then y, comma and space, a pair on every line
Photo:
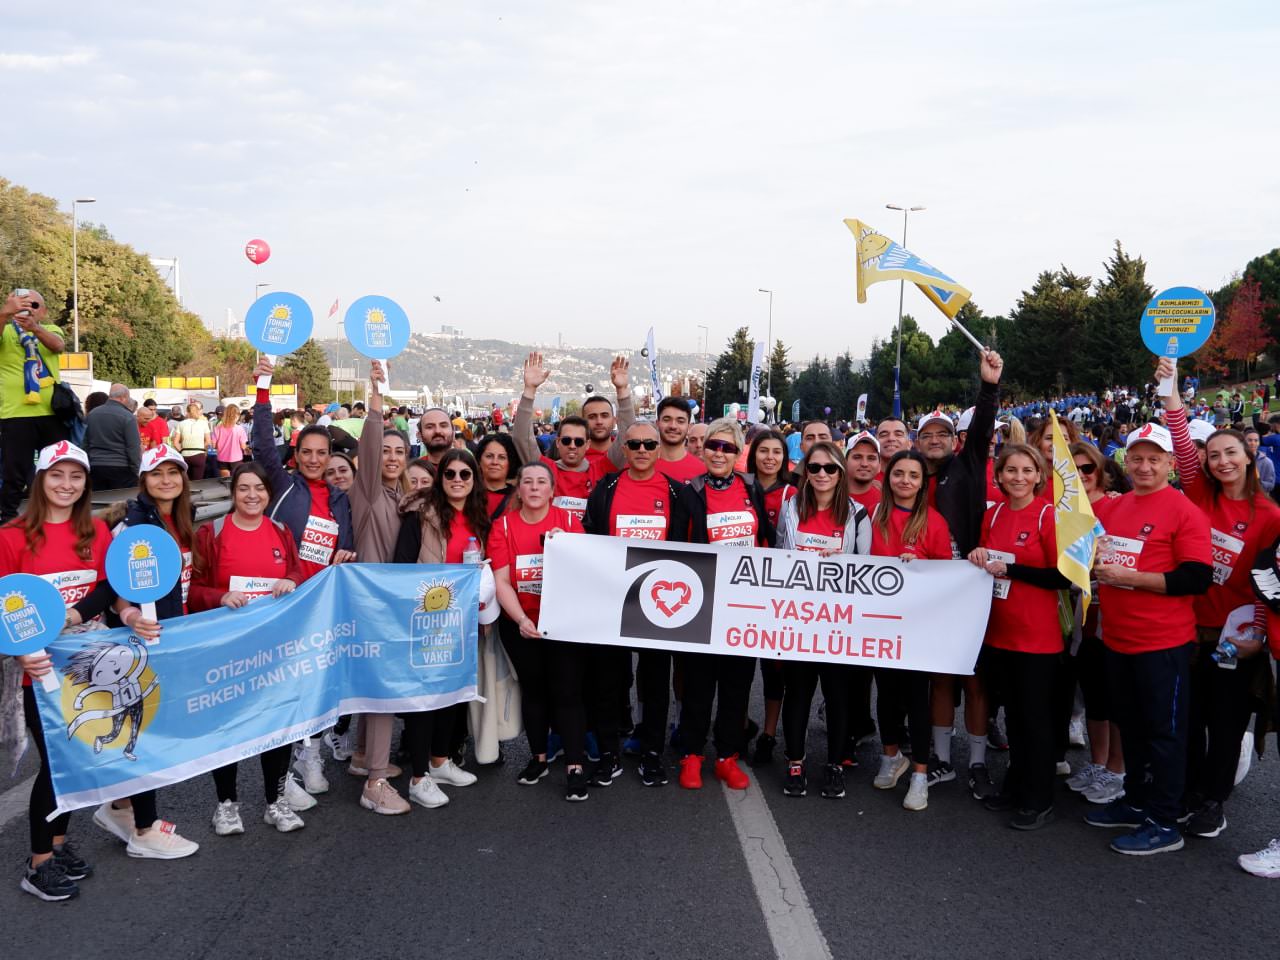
1155, 557
152, 428
675, 460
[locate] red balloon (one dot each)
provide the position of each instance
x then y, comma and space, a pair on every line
257, 251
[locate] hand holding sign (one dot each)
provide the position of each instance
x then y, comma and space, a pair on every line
1176, 323
276, 324
31, 614
143, 564
378, 328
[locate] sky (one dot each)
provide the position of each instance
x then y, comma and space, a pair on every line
589, 170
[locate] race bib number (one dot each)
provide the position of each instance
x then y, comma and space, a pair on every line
575, 505
1226, 554
817, 543
319, 540
252, 587
642, 527
528, 573
733, 528
1124, 551
74, 585
1000, 586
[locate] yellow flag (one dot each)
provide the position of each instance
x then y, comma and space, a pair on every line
1076, 527
879, 258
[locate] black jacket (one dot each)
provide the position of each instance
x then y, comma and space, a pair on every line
766, 535
687, 523
962, 478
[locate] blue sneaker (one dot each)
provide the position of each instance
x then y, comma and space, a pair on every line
1117, 813
1148, 839
555, 747
632, 747
593, 747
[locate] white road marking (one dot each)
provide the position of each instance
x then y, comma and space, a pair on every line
14, 801
793, 928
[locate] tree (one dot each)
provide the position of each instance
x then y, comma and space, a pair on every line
1047, 318
1113, 349
1266, 271
814, 387
780, 371
1245, 335
731, 368
308, 368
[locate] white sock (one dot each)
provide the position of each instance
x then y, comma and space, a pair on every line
942, 743
920, 778
977, 749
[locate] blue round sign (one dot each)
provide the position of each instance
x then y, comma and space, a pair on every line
143, 563
31, 613
377, 327
1177, 322
278, 323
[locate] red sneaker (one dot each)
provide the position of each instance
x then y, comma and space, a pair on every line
691, 772
733, 776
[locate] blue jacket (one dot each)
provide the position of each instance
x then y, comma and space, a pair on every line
290, 499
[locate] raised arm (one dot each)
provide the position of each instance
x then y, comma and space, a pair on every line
1184, 449
364, 489
620, 375
535, 375
264, 447
984, 411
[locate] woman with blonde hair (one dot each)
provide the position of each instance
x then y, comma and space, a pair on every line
230, 441
191, 437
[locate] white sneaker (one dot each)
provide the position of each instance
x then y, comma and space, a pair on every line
426, 793
1264, 863
356, 767
1242, 765
1107, 787
917, 797
226, 819
338, 745
1084, 778
309, 763
891, 771
1075, 733
161, 842
452, 774
281, 816
117, 822
295, 796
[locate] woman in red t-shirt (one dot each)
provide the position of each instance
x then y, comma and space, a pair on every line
239, 559
56, 537
905, 526
498, 460
550, 671
1022, 652
1243, 522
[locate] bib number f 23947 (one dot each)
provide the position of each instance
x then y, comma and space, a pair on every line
642, 526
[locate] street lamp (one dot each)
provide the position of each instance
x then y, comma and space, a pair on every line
769, 353
75, 275
257, 354
706, 337
902, 285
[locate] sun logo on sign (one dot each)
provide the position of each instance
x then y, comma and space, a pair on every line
436, 596
376, 315
14, 602
280, 312
140, 550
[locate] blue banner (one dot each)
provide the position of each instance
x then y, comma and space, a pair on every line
225, 685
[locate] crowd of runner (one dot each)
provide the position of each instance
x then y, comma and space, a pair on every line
1169, 673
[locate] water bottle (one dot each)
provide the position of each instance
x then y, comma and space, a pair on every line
473, 553
1226, 655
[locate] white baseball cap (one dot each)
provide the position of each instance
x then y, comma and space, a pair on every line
62, 450
1201, 430
1151, 433
158, 455
489, 607
966, 418
936, 417
862, 437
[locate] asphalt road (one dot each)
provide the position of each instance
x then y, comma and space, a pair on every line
512, 871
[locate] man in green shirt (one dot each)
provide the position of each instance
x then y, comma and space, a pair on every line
27, 422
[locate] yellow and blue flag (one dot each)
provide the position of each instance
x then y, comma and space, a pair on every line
1076, 527
879, 258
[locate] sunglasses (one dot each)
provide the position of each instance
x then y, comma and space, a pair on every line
642, 445
573, 441
720, 446
1087, 468
828, 468
463, 474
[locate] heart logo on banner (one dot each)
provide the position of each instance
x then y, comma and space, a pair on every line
670, 597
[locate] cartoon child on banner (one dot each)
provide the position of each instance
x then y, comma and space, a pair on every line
114, 669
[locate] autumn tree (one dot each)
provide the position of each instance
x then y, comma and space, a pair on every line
1245, 336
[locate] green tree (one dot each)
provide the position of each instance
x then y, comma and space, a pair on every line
308, 368
731, 368
1048, 319
1265, 270
1113, 349
815, 388
780, 370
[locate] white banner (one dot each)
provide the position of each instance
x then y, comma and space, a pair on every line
926, 615
753, 398
862, 408
651, 352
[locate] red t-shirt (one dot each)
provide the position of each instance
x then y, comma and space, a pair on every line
819, 533
731, 517
154, 432
599, 460
249, 561
320, 537
186, 559
1152, 534
518, 544
460, 533
994, 493
495, 500
1023, 617
682, 470
934, 543
870, 499
775, 498
57, 560
574, 486
1238, 529
641, 508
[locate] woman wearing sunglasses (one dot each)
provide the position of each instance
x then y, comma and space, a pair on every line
822, 519
736, 518
440, 524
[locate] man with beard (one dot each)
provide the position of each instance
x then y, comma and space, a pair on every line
436, 433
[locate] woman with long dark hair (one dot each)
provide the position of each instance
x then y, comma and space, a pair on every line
499, 462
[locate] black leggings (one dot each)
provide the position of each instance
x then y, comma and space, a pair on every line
801, 679
550, 674
606, 691
1220, 705
902, 693
706, 676
275, 766
654, 676
429, 733
1027, 684
42, 801
771, 679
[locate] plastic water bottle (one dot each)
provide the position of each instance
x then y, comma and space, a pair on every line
473, 553
1225, 655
